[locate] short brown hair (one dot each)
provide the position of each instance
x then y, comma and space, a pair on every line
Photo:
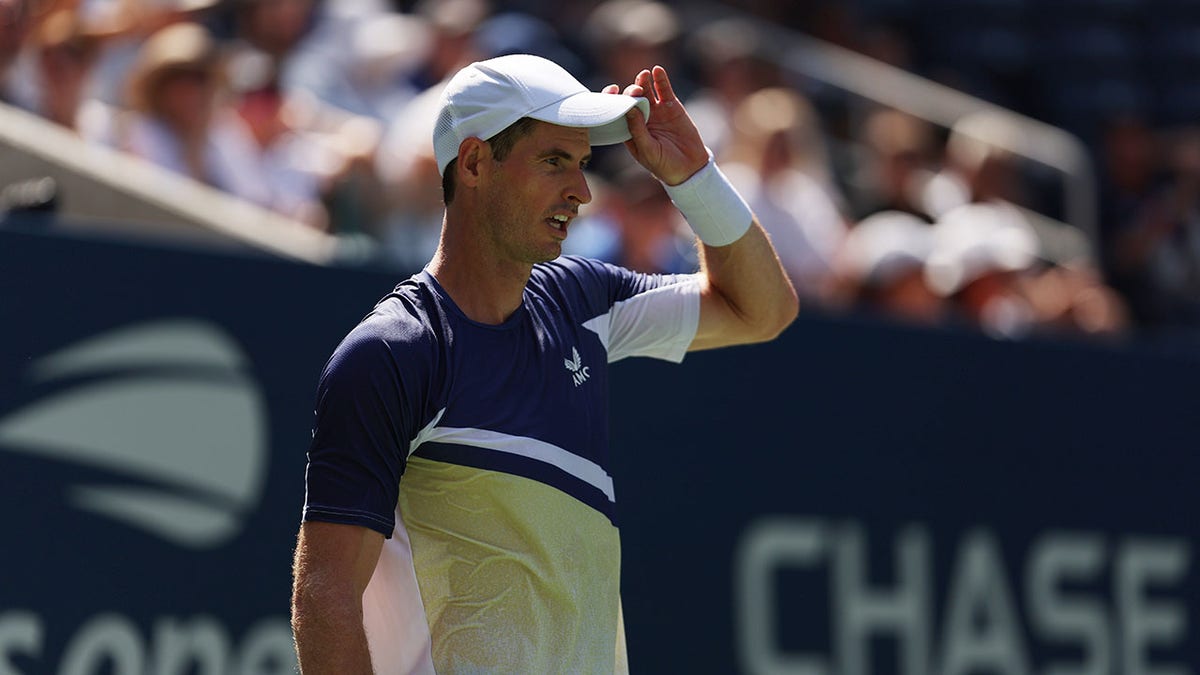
502, 144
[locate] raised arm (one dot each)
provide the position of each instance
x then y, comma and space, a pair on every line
746, 295
333, 565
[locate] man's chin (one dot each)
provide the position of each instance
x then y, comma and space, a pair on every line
549, 254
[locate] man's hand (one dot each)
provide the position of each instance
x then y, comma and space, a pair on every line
669, 146
745, 295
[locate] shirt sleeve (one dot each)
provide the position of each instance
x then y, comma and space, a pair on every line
365, 418
654, 315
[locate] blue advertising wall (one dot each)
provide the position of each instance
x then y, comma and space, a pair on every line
860, 499
155, 408
852, 498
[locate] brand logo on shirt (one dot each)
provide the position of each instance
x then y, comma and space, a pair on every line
579, 372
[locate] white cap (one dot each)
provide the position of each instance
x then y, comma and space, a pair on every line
977, 239
487, 97
882, 248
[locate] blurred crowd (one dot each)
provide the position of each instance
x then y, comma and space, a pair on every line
323, 111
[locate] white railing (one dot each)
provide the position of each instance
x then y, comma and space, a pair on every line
938, 104
117, 192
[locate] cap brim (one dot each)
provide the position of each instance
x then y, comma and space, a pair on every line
602, 114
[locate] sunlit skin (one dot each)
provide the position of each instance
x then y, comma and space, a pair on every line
502, 221
542, 177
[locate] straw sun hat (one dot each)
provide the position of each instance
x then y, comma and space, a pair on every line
179, 47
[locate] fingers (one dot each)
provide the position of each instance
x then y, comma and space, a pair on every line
644, 81
639, 135
610, 89
653, 84
662, 85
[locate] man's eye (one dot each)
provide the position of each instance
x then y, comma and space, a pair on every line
553, 161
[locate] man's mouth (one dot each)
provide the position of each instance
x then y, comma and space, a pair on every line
559, 222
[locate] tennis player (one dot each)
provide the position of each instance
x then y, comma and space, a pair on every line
460, 515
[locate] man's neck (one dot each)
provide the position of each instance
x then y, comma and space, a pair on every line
487, 290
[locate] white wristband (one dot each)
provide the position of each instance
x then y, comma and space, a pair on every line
717, 213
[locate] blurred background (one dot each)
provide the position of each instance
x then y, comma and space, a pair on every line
990, 208
1019, 167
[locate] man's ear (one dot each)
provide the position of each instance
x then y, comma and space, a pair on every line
472, 154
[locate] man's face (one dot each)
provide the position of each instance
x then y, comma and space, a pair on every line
184, 98
527, 195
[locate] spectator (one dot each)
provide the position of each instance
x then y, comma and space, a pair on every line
454, 23
731, 69
360, 60
1072, 299
516, 33
979, 252
1133, 177
274, 27
295, 166
882, 265
348, 76
777, 160
620, 38
895, 164
14, 27
1131, 172
129, 24
178, 124
312, 54
412, 184
647, 225
1158, 251
979, 166
286, 148
64, 53
624, 35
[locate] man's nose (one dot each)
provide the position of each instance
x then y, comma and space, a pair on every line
578, 190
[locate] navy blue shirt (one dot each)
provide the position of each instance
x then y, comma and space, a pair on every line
484, 450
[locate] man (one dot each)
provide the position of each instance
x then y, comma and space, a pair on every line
482, 380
